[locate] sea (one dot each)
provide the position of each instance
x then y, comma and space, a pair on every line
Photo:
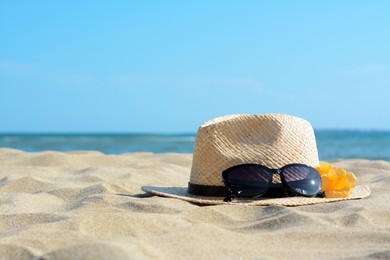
331, 144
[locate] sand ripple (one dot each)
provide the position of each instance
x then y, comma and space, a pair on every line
87, 205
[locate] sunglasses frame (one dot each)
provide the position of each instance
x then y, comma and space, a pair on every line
288, 190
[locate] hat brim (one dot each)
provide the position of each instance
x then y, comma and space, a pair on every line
359, 192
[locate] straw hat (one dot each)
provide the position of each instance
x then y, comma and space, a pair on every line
273, 140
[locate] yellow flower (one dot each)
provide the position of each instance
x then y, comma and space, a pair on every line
336, 182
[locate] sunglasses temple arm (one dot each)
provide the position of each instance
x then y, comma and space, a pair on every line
229, 197
321, 194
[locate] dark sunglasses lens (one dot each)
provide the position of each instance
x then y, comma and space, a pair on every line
248, 180
302, 179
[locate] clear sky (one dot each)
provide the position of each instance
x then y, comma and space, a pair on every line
169, 66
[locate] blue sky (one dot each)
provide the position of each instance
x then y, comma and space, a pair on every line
169, 66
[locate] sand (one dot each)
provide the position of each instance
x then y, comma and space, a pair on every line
87, 205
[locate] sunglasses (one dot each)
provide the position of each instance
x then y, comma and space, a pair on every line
255, 180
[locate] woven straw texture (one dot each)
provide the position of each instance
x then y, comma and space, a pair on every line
273, 140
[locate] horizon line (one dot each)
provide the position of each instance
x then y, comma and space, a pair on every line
149, 133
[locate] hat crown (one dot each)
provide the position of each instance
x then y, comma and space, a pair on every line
272, 140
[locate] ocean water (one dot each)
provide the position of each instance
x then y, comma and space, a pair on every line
332, 145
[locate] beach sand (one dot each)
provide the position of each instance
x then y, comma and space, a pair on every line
87, 205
